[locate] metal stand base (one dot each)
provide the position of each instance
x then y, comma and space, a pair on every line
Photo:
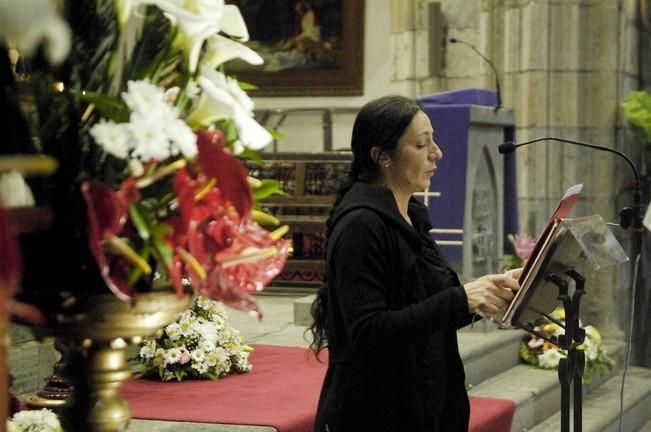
570, 369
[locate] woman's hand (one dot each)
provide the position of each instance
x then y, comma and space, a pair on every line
491, 294
514, 273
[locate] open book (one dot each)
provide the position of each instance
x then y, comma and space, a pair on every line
530, 270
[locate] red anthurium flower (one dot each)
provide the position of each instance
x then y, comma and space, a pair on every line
247, 266
216, 162
238, 257
107, 212
197, 215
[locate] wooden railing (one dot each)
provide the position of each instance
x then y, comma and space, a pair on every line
274, 118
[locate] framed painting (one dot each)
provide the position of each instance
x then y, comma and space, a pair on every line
310, 47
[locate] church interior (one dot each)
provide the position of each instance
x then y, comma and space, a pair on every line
553, 77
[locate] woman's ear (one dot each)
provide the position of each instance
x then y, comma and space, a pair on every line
376, 153
381, 157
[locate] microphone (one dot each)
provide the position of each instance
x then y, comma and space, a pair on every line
490, 63
628, 216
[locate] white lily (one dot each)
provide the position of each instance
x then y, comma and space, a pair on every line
223, 98
221, 49
214, 104
232, 23
251, 133
33, 23
198, 20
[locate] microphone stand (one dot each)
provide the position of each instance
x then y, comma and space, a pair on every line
571, 368
490, 63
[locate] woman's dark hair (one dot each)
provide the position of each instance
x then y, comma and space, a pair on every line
380, 123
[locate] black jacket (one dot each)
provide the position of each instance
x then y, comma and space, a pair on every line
394, 306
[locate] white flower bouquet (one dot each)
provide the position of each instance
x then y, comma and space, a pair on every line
201, 344
42, 420
545, 355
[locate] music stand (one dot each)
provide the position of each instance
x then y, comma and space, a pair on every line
571, 251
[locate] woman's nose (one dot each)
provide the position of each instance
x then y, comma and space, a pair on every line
437, 154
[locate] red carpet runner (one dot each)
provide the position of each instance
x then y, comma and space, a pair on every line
282, 392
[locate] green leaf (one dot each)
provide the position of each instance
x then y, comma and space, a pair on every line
229, 130
527, 355
139, 221
269, 187
165, 252
179, 374
253, 156
160, 230
108, 107
512, 262
637, 109
276, 134
246, 86
136, 272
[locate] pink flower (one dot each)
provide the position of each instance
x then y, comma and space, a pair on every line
185, 356
523, 244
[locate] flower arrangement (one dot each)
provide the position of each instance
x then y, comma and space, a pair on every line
149, 133
200, 344
43, 420
545, 355
523, 246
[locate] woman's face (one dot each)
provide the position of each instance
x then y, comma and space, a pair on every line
414, 162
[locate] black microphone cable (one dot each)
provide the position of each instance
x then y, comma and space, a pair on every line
628, 216
490, 63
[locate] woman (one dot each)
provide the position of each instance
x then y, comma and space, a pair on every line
391, 305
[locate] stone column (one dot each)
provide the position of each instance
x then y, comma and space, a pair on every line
403, 46
567, 64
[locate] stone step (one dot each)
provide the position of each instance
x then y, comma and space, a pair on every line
488, 354
536, 392
646, 427
601, 406
302, 310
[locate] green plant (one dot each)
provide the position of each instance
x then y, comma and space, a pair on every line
637, 109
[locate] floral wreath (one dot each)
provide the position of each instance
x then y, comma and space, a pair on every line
538, 352
201, 344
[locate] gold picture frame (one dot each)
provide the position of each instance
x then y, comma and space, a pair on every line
311, 48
